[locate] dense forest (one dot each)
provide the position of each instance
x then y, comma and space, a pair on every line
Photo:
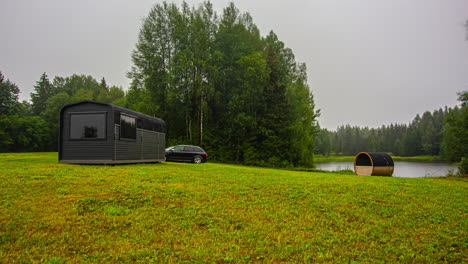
213, 78
443, 132
33, 126
220, 84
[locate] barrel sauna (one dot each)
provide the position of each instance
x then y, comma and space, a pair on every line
373, 164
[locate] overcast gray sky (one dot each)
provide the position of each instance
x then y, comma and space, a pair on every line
370, 62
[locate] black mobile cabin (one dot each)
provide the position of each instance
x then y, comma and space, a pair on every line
98, 133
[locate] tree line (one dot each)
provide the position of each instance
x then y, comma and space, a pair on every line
213, 78
33, 126
443, 132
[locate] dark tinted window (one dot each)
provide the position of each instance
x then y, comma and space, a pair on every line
178, 148
127, 127
193, 149
200, 150
188, 149
151, 125
88, 126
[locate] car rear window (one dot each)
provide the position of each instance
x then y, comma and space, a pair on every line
193, 149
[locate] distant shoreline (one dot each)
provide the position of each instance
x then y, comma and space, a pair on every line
334, 158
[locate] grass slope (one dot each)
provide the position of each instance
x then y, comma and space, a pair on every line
215, 213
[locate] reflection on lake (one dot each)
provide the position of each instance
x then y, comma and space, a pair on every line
404, 169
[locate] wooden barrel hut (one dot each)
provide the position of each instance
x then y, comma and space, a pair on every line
373, 164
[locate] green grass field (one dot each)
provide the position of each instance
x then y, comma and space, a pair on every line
215, 213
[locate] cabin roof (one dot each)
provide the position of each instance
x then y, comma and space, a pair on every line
114, 107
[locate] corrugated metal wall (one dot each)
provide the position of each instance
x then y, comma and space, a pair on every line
153, 145
149, 145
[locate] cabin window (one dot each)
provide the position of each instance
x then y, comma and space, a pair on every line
127, 127
87, 126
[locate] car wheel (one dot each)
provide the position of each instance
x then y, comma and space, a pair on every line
197, 159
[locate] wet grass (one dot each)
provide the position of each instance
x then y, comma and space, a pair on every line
321, 158
216, 213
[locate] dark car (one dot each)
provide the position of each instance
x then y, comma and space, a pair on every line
186, 153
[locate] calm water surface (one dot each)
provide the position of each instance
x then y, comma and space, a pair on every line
404, 169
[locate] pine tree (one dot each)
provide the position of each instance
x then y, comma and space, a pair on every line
43, 90
303, 118
274, 124
455, 139
103, 84
8, 96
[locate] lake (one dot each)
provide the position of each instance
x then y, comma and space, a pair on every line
406, 169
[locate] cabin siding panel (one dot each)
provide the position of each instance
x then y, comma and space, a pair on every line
153, 144
80, 150
148, 145
87, 149
128, 149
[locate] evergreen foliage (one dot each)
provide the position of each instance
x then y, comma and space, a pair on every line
455, 140
42, 91
8, 96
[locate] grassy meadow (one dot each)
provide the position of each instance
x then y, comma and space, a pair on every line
216, 213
